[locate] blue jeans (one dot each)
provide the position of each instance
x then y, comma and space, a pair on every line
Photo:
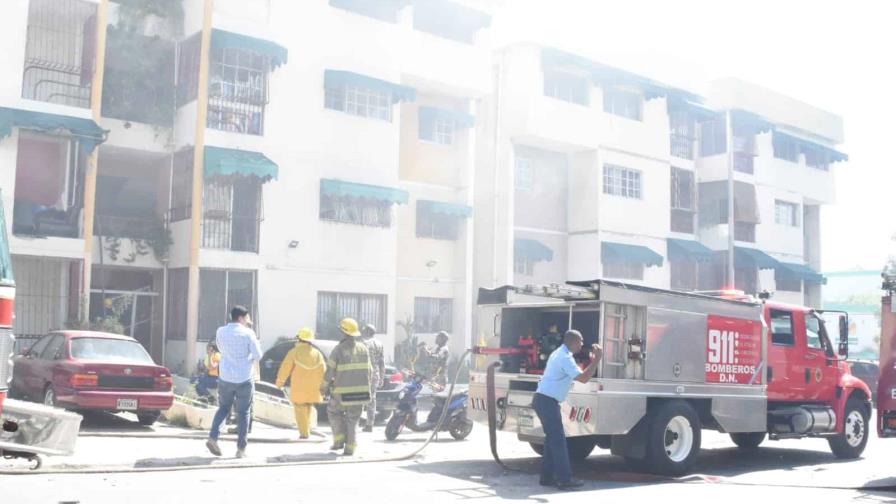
228, 393
205, 383
555, 465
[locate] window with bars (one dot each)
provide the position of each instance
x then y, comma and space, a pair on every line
332, 307
231, 214
432, 315
524, 174
523, 266
60, 52
683, 201
360, 102
436, 225
439, 130
624, 182
622, 103
362, 212
681, 134
219, 291
237, 90
713, 136
786, 213
624, 270
567, 87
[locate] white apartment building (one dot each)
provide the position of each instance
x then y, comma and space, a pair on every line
335, 177
588, 171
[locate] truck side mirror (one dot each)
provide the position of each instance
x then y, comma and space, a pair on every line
843, 349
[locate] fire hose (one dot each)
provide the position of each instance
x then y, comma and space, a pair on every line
199, 467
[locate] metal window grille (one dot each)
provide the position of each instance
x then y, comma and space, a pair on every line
432, 314
60, 52
713, 136
619, 181
332, 307
681, 135
221, 290
231, 215
355, 211
238, 90
360, 102
786, 213
436, 225
43, 294
682, 189
443, 131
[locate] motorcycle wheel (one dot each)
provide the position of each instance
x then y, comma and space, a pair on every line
460, 428
394, 426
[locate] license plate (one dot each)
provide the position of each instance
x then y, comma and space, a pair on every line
526, 421
127, 404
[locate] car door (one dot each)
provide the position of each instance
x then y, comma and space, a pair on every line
47, 362
820, 372
23, 373
784, 362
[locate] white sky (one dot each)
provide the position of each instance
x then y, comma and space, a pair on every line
836, 55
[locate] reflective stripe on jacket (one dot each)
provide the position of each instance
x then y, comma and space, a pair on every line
349, 372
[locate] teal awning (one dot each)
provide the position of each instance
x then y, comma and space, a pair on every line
532, 250
384, 10
335, 79
688, 249
341, 188
87, 131
833, 155
462, 120
442, 207
221, 162
803, 272
623, 252
755, 124
276, 52
750, 257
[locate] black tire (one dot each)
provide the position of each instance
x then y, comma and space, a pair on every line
460, 428
50, 396
673, 438
395, 426
850, 443
578, 447
147, 418
747, 440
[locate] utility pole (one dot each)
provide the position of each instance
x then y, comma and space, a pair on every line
729, 144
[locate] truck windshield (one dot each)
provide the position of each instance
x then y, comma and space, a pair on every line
5, 261
816, 334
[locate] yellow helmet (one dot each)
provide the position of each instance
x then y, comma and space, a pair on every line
305, 334
350, 327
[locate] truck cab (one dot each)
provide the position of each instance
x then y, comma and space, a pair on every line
7, 299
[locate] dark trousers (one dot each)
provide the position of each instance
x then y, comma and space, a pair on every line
555, 460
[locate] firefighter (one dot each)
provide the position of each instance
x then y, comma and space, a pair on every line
552, 390
348, 379
378, 365
305, 367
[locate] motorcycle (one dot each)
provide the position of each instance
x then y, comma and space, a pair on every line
405, 415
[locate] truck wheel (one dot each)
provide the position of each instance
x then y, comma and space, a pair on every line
578, 447
747, 440
673, 438
850, 443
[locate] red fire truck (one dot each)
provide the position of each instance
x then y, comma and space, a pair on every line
674, 363
7, 299
886, 385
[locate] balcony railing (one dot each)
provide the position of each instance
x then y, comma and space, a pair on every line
743, 162
682, 146
32, 219
140, 228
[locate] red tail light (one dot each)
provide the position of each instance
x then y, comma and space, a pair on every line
397, 377
84, 380
164, 383
587, 417
573, 413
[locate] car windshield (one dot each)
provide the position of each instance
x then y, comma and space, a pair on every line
109, 350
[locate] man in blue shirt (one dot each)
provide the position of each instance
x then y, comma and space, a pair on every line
559, 373
239, 349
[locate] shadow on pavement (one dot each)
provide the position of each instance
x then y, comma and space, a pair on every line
105, 421
177, 461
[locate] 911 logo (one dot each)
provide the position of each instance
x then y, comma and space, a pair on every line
733, 353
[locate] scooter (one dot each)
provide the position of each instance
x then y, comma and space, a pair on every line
405, 415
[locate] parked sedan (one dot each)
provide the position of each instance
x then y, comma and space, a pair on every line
84, 370
868, 372
386, 396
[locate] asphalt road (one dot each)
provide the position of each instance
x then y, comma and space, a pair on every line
448, 471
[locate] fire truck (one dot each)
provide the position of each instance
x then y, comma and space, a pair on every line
674, 363
7, 300
886, 384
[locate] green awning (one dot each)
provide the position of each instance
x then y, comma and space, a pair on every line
622, 252
688, 249
276, 52
532, 250
753, 258
87, 131
802, 272
342, 188
336, 79
221, 162
442, 207
833, 155
461, 119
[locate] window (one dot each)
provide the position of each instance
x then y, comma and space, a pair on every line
713, 136
182, 186
52, 350
362, 212
814, 331
178, 285
816, 158
436, 225
619, 181
624, 270
231, 213
787, 282
622, 103
745, 231
683, 201
785, 148
360, 102
746, 279
782, 327
683, 274
237, 90
524, 174
681, 134
566, 87
334, 306
38, 348
219, 291
523, 266
432, 314
438, 130
188, 56
786, 213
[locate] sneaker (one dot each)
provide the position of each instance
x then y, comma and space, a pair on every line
570, 485
337, 446
241, 453
213, 447
368, 428
348, 451
546, 482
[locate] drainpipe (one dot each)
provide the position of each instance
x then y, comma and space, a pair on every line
729, 133
96, 104
196, 207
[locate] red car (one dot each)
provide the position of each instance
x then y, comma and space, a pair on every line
84, 370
